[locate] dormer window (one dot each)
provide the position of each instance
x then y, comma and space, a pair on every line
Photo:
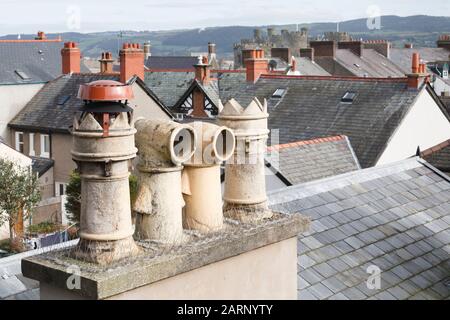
279, 93
348, 97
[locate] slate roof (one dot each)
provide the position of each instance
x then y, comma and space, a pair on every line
370, 64
309, 160
41, 165
170, 87
403, 56
173, 63
45, 111
395, 217
39, 60
309, 68
438, 156
312, 108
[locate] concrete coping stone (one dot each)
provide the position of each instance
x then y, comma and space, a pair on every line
158, 261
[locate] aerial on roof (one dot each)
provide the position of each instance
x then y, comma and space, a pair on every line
171, 63
309, 160
393, 218
315, 107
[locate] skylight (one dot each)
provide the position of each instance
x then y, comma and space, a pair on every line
22, 75
279, 93
348, 97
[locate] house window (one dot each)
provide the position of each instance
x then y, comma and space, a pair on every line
45, 146
60, 189
31, 143
19, 142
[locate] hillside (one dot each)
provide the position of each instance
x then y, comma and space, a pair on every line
421, 30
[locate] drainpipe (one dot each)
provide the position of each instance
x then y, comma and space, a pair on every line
163, 147
202, 190
245, 196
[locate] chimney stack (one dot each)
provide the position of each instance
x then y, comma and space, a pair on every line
256, 65
40, 36
307, 53
324, 48
354, 46
131, 61
444, 41
147, 50
202, 75
383, 47
202, 72
106, 62
282, 53
71, 56
409, 46
418, 72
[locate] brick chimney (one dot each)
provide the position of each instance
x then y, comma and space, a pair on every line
282, 53
131, 61
324, 48
256, 65
71, 56
202, 72
418, 73
381, 46
408, 46
40, 36
307, 53
354, 46
444, 41
106, 62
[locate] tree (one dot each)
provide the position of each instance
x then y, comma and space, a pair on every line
19, 194
73, 192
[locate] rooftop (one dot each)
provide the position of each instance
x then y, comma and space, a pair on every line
396, 217
403, 56
171, 63
309, 160
367, 110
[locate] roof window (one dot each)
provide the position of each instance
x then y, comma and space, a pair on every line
22, 75
279, 93
348, 97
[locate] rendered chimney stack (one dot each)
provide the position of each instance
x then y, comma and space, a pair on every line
147, 50
71, 56
245, 196
418, 74
163, 147
131, 61
103, 146
106, 62
201, 177
256, 65
40, 36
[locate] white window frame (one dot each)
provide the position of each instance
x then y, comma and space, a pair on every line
31, 144
43, 153
57, 186
18, 143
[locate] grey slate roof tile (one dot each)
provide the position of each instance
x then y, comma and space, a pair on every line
411, 247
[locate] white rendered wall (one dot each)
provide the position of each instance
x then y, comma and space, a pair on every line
425, 125
13, 99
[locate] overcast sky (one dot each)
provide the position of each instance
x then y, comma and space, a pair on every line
26, 16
